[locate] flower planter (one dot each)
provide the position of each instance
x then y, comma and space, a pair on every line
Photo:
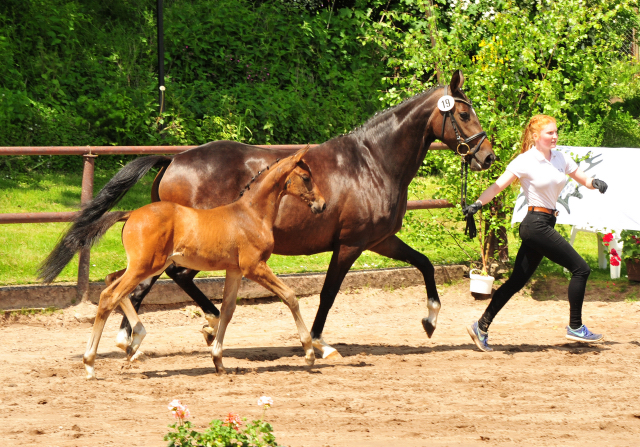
614, 270
480, 284
633, 270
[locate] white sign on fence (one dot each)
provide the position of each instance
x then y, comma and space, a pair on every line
618, 208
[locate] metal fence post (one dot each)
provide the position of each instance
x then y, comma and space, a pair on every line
84, 257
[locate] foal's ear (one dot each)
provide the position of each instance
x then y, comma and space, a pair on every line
301, 153
457, 80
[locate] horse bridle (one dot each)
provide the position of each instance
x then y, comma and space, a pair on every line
462, 142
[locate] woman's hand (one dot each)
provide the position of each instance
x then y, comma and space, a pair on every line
599, 185
471, 209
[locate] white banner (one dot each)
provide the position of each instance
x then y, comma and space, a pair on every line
617, 209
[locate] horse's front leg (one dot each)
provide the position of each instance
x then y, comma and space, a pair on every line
231, 285
394, 248
341, 261
184, 279
262, 274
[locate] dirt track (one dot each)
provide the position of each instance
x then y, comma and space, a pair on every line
394, 386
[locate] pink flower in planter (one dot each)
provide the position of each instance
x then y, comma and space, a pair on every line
179, 411
234, 421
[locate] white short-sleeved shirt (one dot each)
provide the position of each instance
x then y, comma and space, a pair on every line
542, 180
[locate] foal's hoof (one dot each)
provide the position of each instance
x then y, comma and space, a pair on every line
429, 327
91, 374
209, 334
123, 340
310, 360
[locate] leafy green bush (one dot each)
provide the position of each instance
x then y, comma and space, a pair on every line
520, 58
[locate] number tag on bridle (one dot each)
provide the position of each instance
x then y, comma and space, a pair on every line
446, 103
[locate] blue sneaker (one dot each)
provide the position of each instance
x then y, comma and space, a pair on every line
479, 337
584, 335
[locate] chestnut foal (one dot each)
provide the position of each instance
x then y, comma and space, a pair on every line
237, 238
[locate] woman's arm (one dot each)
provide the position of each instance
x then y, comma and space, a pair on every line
503, 181
579, 176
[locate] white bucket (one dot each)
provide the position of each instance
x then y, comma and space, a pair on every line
480, 283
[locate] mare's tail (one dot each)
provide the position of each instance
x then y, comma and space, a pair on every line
92, 222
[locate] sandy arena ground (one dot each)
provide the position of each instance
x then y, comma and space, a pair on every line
393, 387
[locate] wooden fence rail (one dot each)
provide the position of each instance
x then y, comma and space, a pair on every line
89, 154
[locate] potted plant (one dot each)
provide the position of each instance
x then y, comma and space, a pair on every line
481, 283
614, 256
631, 253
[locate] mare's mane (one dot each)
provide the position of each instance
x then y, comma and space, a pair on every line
383, 113
363, 128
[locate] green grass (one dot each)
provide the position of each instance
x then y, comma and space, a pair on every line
24, 246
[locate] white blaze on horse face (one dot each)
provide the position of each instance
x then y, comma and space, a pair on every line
446, 103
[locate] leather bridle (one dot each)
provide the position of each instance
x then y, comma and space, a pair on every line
463, 147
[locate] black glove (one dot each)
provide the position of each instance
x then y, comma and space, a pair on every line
475, 207
599, 185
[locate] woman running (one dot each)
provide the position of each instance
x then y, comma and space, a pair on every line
542, 173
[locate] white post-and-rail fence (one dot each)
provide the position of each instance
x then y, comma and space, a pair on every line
89, 154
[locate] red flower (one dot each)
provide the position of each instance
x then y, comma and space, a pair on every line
615, 262
607, 237
614, 252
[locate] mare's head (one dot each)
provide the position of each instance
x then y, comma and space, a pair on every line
459, 127
299, 183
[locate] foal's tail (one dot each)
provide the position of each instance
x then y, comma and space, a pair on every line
92, 222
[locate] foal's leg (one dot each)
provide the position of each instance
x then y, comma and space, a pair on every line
138, 333
231, 286
263, 275
394, 248
108, 301
341, 261
123, 339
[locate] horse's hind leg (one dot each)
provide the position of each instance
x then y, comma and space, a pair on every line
138, 332
231, 286
263, 275
394, 248
108, 302
123, 339
184, 279
109, 299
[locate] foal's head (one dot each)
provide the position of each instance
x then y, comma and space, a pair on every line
299, 183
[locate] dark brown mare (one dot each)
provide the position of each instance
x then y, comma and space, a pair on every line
363, 176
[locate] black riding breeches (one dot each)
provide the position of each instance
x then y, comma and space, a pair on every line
540, 239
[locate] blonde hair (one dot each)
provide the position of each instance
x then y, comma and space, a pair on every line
535, 126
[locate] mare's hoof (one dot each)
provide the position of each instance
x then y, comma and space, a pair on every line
429, 328
209, 334
334, 355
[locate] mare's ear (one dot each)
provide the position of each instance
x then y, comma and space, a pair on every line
457, 80
301, 153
